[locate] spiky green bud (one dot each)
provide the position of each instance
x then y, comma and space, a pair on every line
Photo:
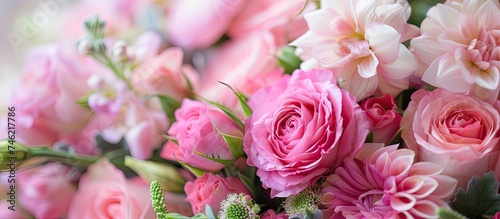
158, 200
307, 200
239, 206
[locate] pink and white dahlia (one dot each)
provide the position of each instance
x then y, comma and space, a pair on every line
361, 40
383, 182
460, 45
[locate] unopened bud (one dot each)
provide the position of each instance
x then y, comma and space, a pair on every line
99, 46
12, 154
84, 46
167, 176
119, 51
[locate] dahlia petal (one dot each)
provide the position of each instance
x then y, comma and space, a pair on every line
367, 67
446, 187
341, 27
326, 53
424, 209
445, 73
364, 14
488, 15
488, 79
428, 187
402, 201
356, 85
427, 49
447, 16
384, 42
402, 67
318, 21
465, 64
400, 166
308, 40
467, 27
425, 168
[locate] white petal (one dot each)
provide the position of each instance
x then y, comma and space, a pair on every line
488, 15
318, 21
488, 79
445, 73
367, 66
364, 14
384, 41
402, 67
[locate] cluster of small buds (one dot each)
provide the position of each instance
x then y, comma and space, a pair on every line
158, 200
307, 200
239, 206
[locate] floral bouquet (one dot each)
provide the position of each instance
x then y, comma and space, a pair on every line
257, 109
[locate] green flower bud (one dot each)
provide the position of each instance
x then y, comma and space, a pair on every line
239, 207
307, 200
168, 177
12, 154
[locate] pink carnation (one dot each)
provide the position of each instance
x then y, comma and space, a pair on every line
383, 182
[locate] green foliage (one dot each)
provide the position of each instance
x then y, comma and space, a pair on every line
481, 197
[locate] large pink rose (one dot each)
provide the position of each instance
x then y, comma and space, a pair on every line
385, 119
52, 79
246, 64
211, 189
198, 130
199, 24
103, 192
46, 191
459, 132
302, 127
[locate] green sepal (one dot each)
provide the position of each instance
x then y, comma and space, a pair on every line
287, 59
194, 170
227, 111
242, 99
218, 160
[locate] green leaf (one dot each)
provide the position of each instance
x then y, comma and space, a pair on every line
189, 84
227, 111
242, 99
218, 160
168, 104
249, 183
396, 139
444, 213
195, 171
287, 59
481, 198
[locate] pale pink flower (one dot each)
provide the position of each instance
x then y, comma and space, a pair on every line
384, 182
361, 41
460, 46
461, 133
109, 95
199, 24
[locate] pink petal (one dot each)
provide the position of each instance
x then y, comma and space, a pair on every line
402, 201
446, 187
445, 73
402, 67
384, 41
424, 209
318, 21
428, 187
488, 15
364, 14
425, 168
367, 67
488, 79
326, 54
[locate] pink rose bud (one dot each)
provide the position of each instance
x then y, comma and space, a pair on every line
211, 189
385, 119
199, 129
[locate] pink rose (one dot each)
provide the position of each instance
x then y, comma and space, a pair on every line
46, 94
459, 132
246, 64
163, 75
198, 130
211, 189
199, 24
46, 191
301, 128
103, 192
271, 214
385, 119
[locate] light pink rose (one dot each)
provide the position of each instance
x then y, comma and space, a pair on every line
459, 132
45, 191
46, 94
385, 119
245, 63
163, 75
198, 130
211, 189
271, 214
199, 24
301, 128
17, 214
103, 192
281, 17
